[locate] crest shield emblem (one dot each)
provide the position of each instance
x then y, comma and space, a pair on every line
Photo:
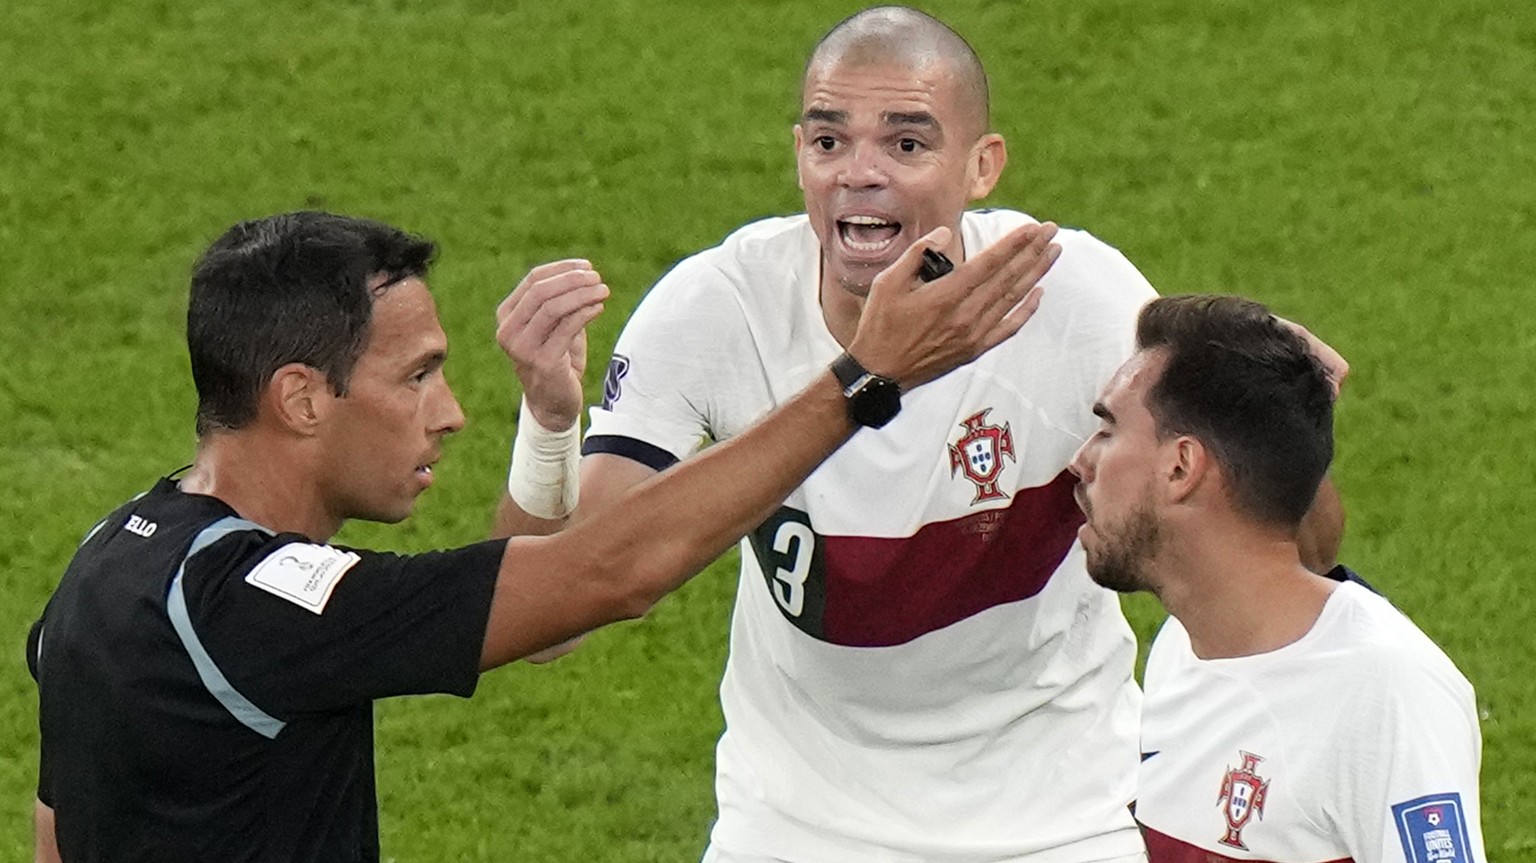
979, 455
1242, 796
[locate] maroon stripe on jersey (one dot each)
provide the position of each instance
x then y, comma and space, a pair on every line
1162, 848
884, 591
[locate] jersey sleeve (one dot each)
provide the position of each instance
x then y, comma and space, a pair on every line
1118, 289
1095, 295
1410, 776
299, 627
658, 394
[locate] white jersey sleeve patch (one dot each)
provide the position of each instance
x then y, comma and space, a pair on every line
303, 573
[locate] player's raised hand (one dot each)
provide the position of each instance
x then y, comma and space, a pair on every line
1333, 362
915, 331
542, 327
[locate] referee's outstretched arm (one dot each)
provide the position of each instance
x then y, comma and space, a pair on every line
318, 357
617, 563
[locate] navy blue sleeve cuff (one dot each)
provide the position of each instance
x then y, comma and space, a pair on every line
653, 457
1342, 573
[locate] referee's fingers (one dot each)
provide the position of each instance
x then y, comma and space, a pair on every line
1014, 319
1015, 262
903, 271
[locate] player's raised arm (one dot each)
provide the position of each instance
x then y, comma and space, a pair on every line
541, 326
621, 561
1322, 530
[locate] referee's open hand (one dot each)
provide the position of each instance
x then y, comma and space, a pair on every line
915, 331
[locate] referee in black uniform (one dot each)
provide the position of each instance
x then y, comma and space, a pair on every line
207, 666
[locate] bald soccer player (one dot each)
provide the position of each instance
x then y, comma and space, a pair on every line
920, 667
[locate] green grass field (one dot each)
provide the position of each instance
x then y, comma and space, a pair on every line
1366, 168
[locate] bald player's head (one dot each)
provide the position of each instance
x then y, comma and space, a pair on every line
900, 36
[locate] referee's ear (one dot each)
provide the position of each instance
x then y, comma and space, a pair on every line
297, 397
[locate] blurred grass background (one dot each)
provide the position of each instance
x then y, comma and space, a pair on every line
1365, 168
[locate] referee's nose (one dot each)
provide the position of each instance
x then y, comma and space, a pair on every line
448, 415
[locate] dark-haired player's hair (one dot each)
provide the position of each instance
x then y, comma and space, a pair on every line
1249, 388
290, 288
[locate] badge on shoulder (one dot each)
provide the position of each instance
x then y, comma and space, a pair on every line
303, 573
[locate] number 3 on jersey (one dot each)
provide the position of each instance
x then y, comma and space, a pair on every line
790, 557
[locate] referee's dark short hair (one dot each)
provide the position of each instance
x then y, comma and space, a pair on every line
1250, 389
290, 288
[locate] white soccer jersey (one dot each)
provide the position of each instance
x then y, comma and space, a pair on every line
1358, 742
920, 667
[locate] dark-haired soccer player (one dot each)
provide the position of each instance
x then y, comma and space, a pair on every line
208, 664
1289, 716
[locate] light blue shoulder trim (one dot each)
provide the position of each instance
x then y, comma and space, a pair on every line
218, 685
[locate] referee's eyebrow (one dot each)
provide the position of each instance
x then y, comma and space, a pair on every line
1102, 412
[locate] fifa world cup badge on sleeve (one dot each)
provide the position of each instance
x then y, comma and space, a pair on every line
303, 573
1433, 829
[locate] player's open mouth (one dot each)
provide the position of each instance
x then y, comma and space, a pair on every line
867, 234
424, 473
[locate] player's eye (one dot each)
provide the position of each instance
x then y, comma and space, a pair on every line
824, 142
909, 145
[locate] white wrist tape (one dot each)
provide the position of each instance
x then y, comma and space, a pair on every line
544, 476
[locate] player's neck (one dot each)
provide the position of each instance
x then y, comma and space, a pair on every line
841, 309
1242, 593
263, 482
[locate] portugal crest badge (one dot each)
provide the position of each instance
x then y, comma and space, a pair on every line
1242, 796
979, 454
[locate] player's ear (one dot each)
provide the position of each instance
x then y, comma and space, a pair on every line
1186, 468
298, 396
989, 155
799, 145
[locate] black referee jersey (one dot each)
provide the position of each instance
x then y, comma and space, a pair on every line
206, 687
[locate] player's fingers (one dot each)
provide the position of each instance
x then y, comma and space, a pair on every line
538, 319
534, 291
545, 271
1333, 362
567, 337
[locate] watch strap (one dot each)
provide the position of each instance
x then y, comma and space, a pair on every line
848, 371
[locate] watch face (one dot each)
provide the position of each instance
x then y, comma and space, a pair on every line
876, 402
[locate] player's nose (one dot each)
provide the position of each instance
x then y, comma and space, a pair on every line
1079, 465
863, 168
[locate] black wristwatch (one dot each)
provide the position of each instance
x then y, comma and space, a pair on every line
872, 399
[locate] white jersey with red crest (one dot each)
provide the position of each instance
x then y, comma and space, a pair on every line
920, 667
1358, 742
